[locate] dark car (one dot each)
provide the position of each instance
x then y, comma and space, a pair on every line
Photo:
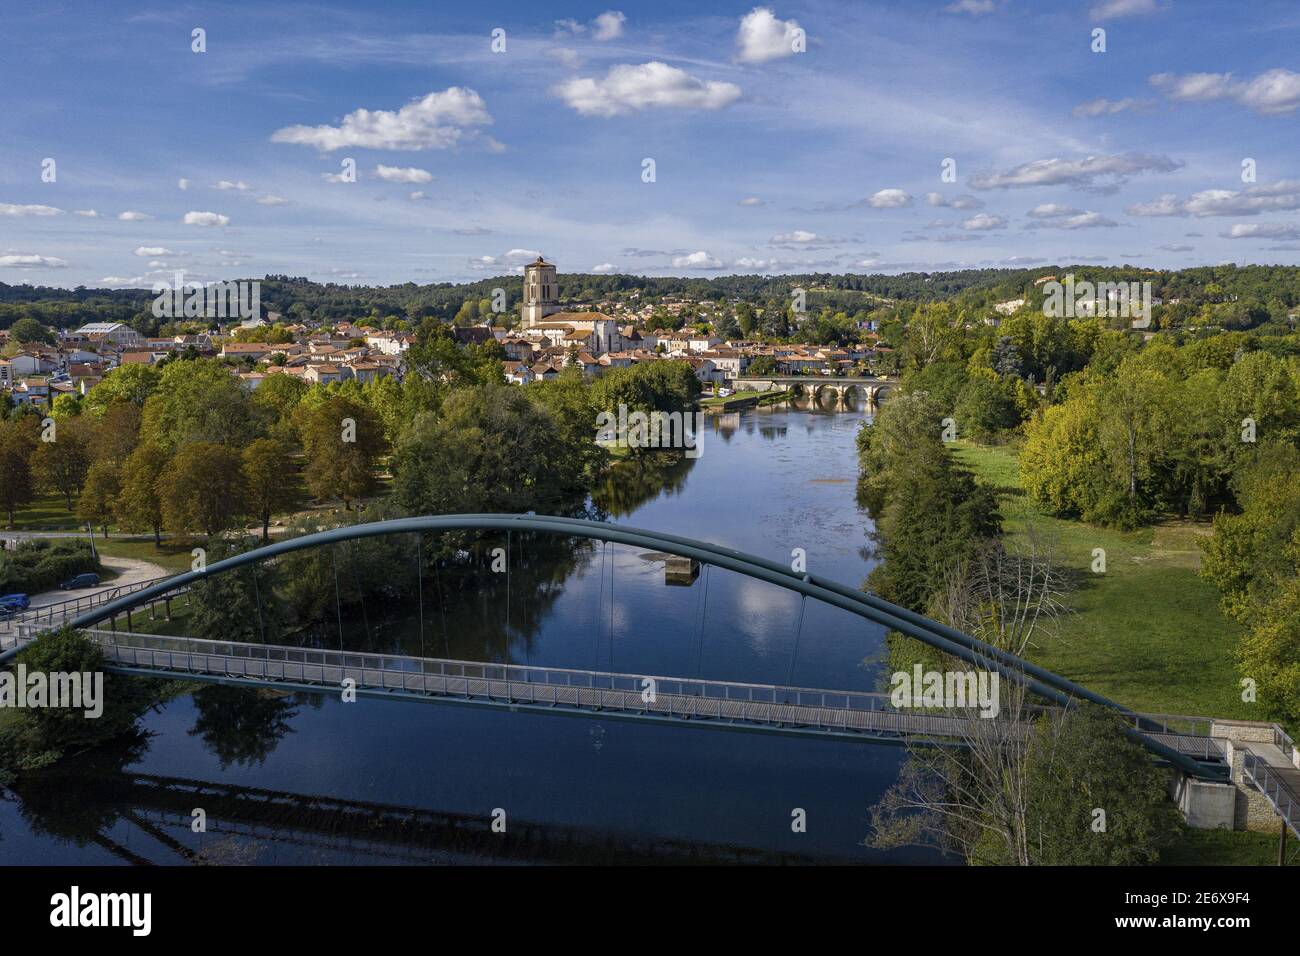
87, 580
13, 603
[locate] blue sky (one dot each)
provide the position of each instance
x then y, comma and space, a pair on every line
765, 159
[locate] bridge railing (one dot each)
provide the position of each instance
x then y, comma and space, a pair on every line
18, 628
1274, 788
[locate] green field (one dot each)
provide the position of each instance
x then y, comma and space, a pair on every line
45, 512
173, 555
1148, 632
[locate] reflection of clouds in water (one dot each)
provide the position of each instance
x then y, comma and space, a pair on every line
763, 615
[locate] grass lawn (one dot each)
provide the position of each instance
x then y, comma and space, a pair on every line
45, 512
1148, 633
1226, 848
173, 556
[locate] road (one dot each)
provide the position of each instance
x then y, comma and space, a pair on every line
129, 571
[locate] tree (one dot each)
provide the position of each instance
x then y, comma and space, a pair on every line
269, 481
198, 401
138, 506
491, 450
237, 605
986, 407
17, 442
201, 489
61, 463
29, 332
126, 383
115, 435
343, 439
95, 506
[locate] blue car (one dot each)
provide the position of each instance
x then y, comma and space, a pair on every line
87, 580
13, 603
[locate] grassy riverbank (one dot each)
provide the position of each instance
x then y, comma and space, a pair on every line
1148, 632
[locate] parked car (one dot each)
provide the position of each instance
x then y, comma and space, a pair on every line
87, 580
13, 603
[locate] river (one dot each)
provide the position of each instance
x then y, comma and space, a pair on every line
286, 779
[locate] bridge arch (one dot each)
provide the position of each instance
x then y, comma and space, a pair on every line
863, 604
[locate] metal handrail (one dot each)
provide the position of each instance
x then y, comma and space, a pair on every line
1274, 789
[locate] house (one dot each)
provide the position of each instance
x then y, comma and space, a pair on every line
115, 332
518, 373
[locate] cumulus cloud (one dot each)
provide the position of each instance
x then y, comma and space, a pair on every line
627, 89
803, 239
437, 120
31, 261
133, 215
756, 265
270, 200
763, 37
697, 260
982, 222
1112, 9
608, 26
1090, 172
1257, 230
512, 259
238, 186
205, 219
182, 184
956, 202
1273, 92
20, 211
604, 269
147, 252
890, 199
403, 174
1055, 216
87, 213
1280, 196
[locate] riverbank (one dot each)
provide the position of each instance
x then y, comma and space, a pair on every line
739, 400
1148, 632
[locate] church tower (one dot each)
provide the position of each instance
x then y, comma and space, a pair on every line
541, 292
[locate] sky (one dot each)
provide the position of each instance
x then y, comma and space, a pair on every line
657, 138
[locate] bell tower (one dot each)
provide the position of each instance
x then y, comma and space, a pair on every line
541, 292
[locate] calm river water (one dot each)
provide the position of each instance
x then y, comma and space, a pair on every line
308, 779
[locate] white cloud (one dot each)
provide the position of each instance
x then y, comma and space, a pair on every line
608, 26
1280, 196
1080, 173
403, 174
627, 88
86, 213
133, 282
134, 215
1105, 107
1048, 210
1257, 230
983, 222
1273, 92
1110, 9
270, 200
890, 199
1178, 247
763, 37
239, 186
697, 260
752, 201
1054, 216
957, 202
436, 121
31, 261
205, 219
146, 252
757, 265
974, 7
20, 211
182, 184
604, 269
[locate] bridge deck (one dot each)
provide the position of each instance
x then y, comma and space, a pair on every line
721, 703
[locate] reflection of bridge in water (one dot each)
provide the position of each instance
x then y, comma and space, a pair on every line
1188, 744
162, 807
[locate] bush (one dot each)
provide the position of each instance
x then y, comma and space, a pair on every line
41, 564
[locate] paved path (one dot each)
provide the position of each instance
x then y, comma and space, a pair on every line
129, 571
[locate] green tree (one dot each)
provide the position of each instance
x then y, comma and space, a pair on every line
95, 506
343, 439
18, 438
269, 480
30, 332
198, 401
201, 489
138, 506
61, 464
